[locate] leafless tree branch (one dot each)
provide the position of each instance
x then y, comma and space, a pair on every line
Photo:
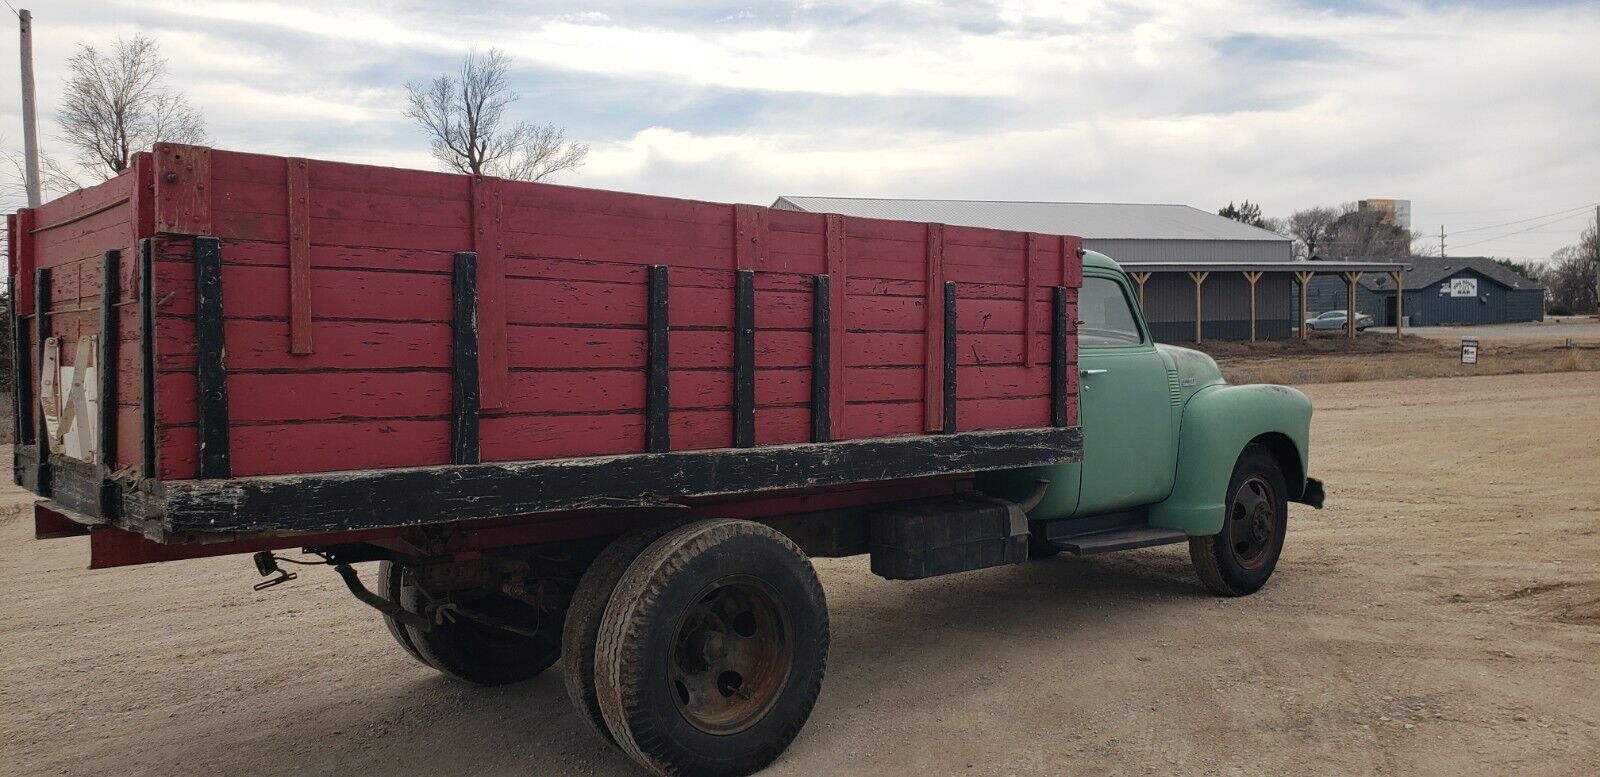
117, 104
469, 132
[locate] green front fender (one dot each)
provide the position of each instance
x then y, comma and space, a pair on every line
1218, 422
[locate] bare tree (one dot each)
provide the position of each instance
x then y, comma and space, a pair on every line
1360, 233
1569, 280
1310, 228
465, 117
117, 104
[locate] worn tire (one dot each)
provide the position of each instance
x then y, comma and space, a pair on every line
641, 645
478, 654
389, 583
1227, 564
588, 607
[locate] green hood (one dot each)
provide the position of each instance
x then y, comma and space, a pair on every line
1192, 369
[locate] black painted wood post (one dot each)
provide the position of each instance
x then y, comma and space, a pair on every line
211, 370
41, 333
1058, 356
658, 395
110, 295
147, 357
464, 405
22, 374
821, 377
744, 359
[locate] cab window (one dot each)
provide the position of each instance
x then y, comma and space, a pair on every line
1106, 315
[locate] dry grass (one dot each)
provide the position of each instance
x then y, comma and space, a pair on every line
1417, 358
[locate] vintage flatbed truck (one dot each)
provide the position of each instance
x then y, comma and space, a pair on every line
608, 429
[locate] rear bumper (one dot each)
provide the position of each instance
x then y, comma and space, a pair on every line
1312, 495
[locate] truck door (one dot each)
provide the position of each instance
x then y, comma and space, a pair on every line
1126, 406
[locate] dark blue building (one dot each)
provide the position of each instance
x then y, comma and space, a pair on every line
1453, 290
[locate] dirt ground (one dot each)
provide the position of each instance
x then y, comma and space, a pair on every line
1442, 616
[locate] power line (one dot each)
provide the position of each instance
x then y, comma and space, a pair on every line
1524, 221
1529, 229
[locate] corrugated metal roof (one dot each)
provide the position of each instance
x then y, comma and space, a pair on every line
1428, 270
1093, 220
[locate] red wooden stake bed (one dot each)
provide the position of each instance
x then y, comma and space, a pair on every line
233, 351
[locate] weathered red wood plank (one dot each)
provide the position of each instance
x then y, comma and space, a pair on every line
53, 249
904, 349
265, 254
279, 449
780, 220
882, 419
490, 245
1006, 413
290, 397
85, 202
552, 198
23, 265
299, 207
347, 294
1072, 262
264, 345
1031, 292
749, 236
183, 189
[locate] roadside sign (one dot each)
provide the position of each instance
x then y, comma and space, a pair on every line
1469, 350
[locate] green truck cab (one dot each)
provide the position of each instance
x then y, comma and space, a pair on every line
1171, 451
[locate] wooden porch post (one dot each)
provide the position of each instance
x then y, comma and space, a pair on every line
1399, 301
1139, 279
1350, 279
1198, 278
1304, 278
1252, 277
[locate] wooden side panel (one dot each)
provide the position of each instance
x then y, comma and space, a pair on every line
369, 258
71, 237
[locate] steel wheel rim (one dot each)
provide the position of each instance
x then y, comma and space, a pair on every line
1252, 522
732, 651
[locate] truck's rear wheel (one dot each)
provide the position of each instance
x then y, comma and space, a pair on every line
712, 649
588, 607
1238, 560
478, 653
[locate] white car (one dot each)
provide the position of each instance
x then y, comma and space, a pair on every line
1335, 319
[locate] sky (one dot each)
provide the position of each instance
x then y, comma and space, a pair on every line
1481, 113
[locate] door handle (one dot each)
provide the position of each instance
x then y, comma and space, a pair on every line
1091, 372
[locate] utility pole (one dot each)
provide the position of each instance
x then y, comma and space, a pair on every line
30, 121
1441, 241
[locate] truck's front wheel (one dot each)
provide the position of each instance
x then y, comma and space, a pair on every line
711, 651
1238, 560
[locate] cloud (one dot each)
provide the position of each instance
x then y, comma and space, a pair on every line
1479, 112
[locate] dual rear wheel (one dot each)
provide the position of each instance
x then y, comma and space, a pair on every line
696, 648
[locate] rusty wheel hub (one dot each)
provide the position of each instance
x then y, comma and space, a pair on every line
1253, 522
731, 656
